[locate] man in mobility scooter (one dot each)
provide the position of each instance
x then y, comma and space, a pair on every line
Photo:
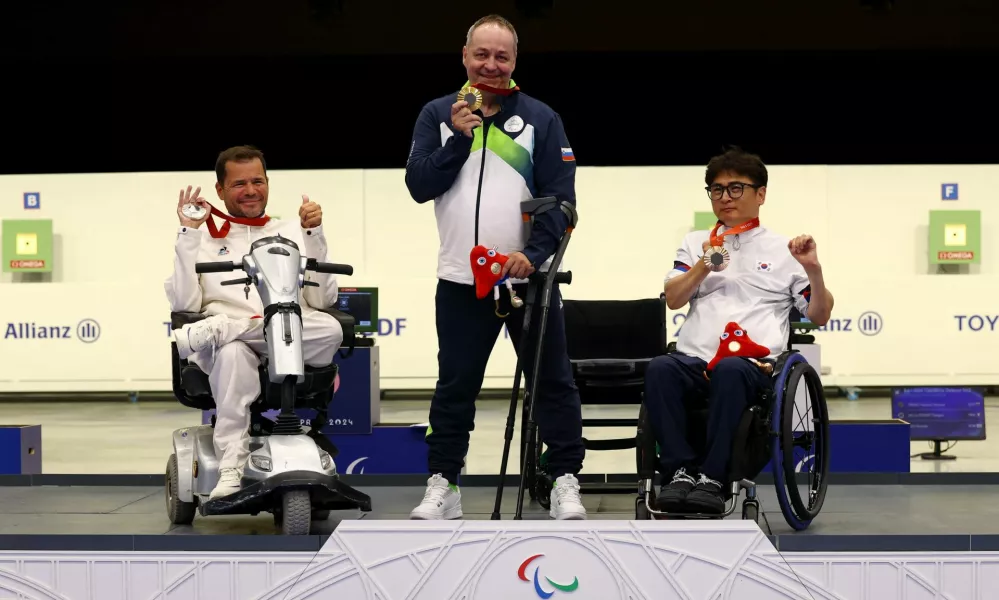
229, 333
479, 158
741, 281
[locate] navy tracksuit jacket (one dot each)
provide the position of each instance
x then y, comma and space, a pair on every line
477, 185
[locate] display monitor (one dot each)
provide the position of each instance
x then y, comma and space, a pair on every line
362, 304
941, 413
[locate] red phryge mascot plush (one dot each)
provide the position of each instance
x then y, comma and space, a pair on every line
735, 342
487, 267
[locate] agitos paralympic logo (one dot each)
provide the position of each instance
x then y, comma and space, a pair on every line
521, 572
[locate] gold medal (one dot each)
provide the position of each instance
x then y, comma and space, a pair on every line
472, 96
716, 258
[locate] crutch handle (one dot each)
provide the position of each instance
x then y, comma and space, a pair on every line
561, 277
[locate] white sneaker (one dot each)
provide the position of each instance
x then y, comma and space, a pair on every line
440, 502
211, 332
566, 502
228, 483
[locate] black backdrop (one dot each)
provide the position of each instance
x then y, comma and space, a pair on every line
327, 84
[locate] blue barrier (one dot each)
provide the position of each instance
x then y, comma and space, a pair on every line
854, 447
388, 450
20, 449
865, 447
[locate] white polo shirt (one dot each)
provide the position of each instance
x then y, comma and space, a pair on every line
757, 290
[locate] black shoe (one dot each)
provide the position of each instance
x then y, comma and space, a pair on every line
707, 497
672, 497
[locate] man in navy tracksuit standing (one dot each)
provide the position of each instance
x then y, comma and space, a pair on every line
477, 167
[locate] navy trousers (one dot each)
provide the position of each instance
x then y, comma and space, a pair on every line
467, 329
675, 383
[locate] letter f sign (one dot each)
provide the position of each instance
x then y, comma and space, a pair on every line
949, 191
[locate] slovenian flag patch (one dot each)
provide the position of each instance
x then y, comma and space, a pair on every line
567, 155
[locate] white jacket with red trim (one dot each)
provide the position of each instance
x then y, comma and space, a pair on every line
188, 291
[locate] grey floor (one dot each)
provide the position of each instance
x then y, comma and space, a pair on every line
855, 517
125, 437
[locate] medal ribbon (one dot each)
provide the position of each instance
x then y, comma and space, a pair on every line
717, 240
224, 231
497, 91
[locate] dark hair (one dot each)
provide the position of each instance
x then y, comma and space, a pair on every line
737, 161
237, 154
492, 20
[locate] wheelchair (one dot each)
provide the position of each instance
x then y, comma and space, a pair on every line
774, 429
290, 471
610, 344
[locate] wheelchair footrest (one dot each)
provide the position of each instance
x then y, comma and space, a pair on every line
600, 445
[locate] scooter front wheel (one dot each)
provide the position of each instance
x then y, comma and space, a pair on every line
296, 512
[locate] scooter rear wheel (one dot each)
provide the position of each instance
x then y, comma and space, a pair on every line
179, 512
296, 512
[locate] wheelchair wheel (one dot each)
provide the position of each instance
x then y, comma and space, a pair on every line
646, 457
179, 512
641, 511
801, 448
542, 488
527, 458
537, 480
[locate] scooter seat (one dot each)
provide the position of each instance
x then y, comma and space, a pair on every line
192, 389
195, 381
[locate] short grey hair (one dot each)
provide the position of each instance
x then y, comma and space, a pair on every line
493, 20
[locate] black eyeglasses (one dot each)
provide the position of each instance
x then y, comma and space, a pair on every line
735, 189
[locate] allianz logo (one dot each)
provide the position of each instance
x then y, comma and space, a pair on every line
87, 331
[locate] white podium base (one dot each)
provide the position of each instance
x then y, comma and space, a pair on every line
471, 560
575, 560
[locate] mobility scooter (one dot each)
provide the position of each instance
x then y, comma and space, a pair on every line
290, 471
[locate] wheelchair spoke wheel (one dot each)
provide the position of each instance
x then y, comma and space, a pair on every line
803, 444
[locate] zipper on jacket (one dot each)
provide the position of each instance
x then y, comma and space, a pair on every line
482, 171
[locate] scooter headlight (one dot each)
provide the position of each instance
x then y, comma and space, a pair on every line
261, 462
325, 460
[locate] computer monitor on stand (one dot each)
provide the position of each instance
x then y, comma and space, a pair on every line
362, 304
940, 414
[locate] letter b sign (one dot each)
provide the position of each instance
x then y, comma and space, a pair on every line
32, 200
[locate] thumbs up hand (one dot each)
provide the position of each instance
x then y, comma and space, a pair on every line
310, 213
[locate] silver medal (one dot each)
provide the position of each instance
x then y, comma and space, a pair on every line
194, 212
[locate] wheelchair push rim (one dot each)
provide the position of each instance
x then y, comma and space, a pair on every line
801, 448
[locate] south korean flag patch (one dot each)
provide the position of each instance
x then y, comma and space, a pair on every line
764, 266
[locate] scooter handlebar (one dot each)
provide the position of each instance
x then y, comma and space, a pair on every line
333, 268
217, 267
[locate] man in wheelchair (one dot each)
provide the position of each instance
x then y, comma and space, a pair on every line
741, 281
228, 344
